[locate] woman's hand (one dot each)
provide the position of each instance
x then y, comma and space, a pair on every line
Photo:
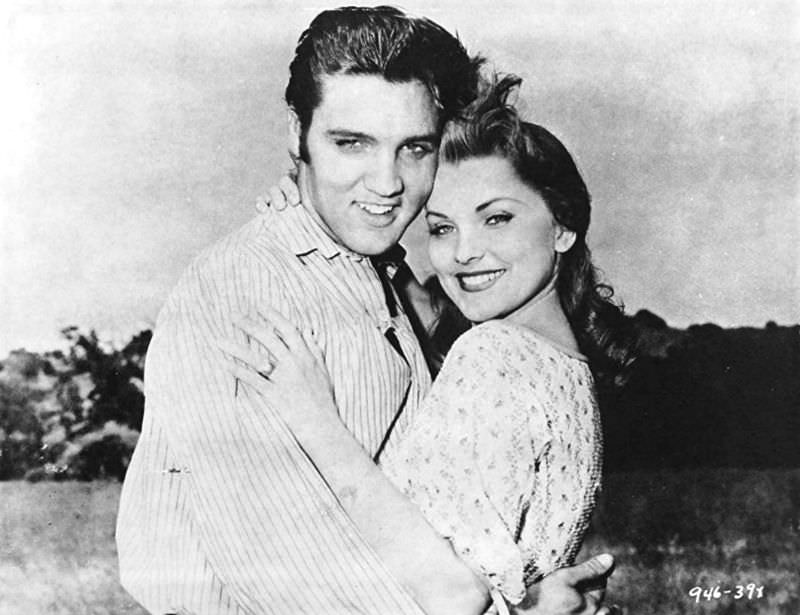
280, 197
292, 376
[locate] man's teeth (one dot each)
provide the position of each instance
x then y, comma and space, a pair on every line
482, 278
377, 210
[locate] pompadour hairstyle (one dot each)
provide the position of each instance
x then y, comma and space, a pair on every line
380, 41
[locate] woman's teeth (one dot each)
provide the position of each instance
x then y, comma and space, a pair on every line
479, 281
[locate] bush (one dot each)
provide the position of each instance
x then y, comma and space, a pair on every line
71, 415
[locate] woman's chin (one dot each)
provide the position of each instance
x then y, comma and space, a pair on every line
478, 314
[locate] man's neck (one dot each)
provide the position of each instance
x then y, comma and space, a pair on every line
307, 201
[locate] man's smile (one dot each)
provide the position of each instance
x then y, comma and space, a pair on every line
378, 215
376, 209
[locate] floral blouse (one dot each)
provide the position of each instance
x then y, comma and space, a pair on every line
504, 456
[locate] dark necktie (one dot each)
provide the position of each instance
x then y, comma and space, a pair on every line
381, 267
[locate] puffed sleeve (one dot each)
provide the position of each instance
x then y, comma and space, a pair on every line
469, 458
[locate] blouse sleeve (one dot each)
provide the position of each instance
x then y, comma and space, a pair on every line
468, 459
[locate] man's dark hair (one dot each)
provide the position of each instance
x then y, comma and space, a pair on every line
381, 41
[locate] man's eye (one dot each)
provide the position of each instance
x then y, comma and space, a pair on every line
497, 219
419, 150
351, 145
437, 230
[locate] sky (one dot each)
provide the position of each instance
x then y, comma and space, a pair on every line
137, 133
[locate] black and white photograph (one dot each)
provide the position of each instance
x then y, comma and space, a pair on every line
430, 308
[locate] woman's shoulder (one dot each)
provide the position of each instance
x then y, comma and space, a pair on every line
493, 351
501, 352
507, 339
487, 342
492, 334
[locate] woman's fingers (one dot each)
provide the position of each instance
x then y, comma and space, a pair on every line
288, 187
315, 350
276, 198
279, 197
284, 328
265, 335
280, 337
262, 204
246, 356
249, 377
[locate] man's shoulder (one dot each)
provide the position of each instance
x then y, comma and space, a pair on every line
250, 257
254, 243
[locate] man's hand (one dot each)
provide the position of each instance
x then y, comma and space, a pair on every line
577, 590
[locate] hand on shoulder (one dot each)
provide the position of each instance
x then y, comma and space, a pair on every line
285, 194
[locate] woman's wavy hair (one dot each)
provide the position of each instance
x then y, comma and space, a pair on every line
491, 126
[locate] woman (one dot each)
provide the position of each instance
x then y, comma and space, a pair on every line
504, 459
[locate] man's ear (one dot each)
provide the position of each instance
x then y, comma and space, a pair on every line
294, 134
565, 239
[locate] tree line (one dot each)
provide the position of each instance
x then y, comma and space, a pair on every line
698, 397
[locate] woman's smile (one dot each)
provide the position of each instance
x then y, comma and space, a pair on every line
479, 280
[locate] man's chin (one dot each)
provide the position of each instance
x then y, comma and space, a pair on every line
369, 244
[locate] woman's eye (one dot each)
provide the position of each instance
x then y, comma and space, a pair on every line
438, 230
497, 219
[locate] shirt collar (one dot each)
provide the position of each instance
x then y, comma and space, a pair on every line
305, 235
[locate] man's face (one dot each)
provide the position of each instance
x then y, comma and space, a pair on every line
372, 149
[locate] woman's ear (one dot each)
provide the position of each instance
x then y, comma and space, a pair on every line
565, 239
294, 134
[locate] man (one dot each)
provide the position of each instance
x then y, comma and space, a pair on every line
222, 511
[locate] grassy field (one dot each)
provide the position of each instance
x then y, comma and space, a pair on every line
673, 531
57, 553
670, 531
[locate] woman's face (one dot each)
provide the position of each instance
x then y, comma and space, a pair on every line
493, 241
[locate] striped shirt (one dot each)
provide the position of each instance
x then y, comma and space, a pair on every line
221, 511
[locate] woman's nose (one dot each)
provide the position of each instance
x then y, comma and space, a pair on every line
469, 249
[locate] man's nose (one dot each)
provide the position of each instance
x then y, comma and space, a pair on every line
469, 248
383, 177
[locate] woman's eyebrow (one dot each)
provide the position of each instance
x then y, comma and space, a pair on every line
485, 204
478, 208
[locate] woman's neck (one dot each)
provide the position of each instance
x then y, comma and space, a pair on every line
545, 315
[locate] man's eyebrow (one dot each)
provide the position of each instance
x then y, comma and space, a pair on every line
344, 133
430, 137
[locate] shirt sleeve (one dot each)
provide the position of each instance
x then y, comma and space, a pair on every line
468, 460
269, 526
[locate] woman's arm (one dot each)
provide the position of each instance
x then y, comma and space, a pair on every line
419, 558
412, 550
